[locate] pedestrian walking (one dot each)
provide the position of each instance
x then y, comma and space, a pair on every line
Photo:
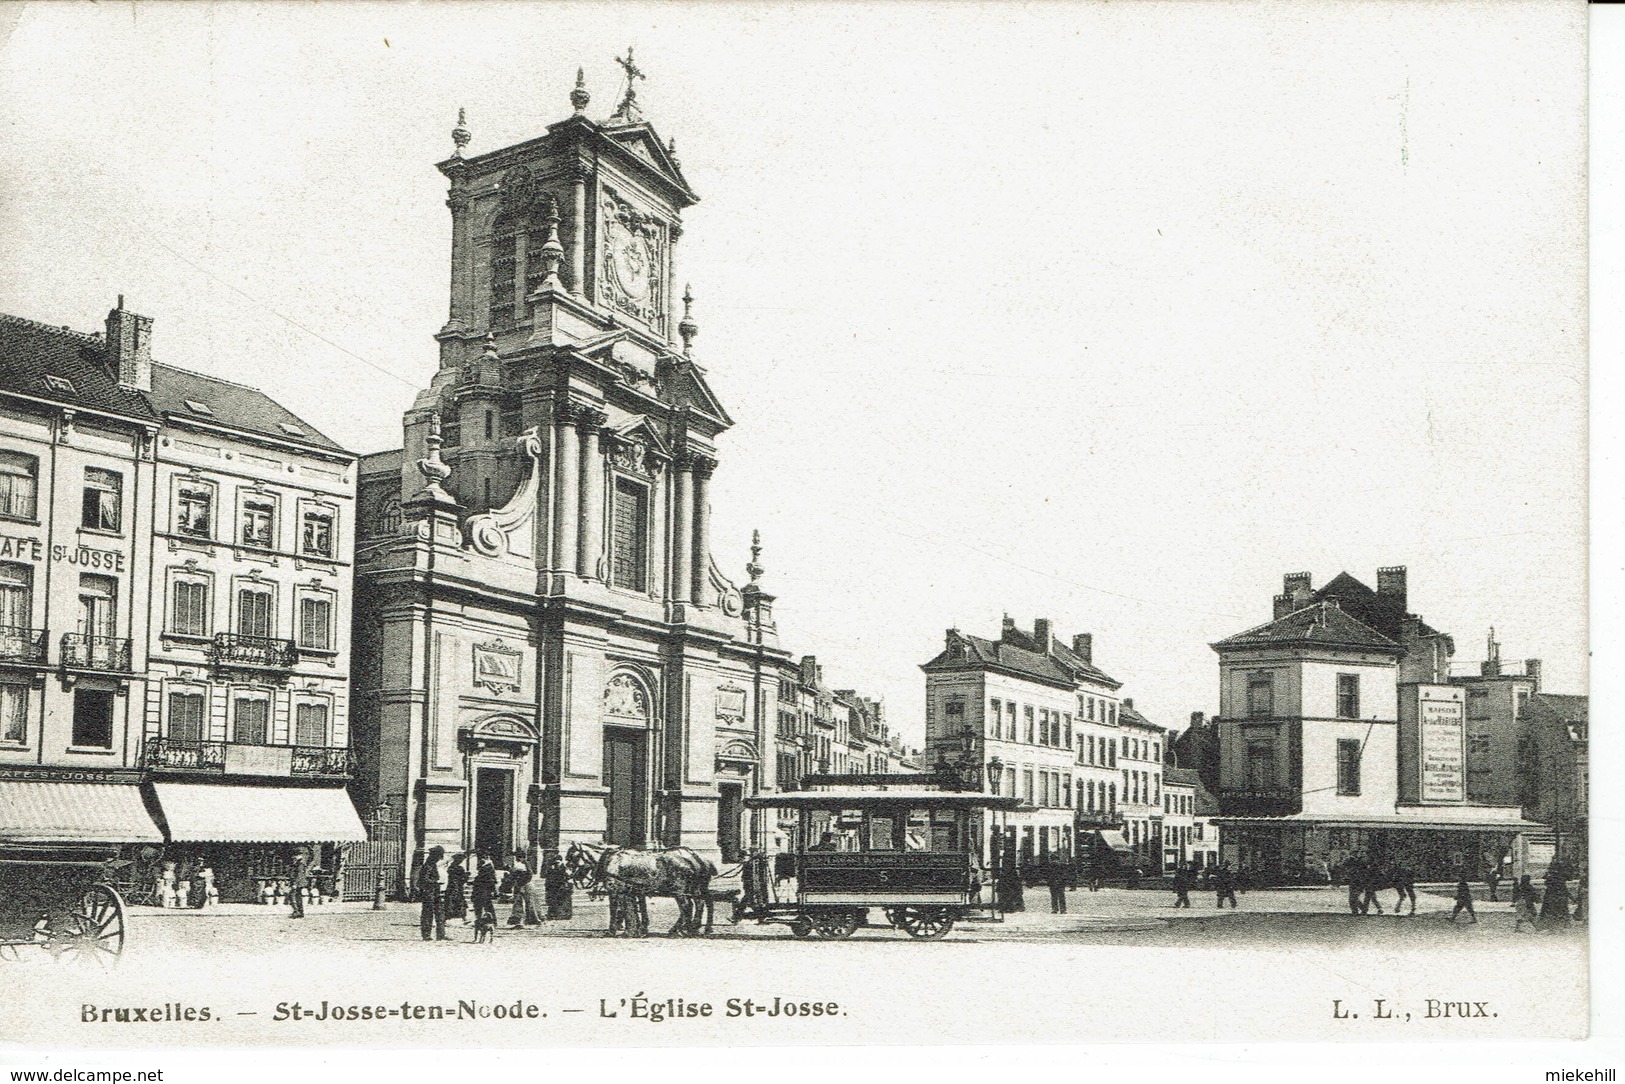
519, 883
432, 895
457, 889
559, 889
1354, 870
484, 899
1404, 884
1183, 878
1524, 904
1464, 899
1492, 875
1554, 903
298, 877
1055, 876
1224, 887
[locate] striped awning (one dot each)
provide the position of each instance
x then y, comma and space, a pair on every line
34, 811
221, 813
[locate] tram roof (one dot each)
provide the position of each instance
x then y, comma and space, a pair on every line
858, 799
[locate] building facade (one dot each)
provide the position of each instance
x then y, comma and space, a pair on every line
1554, 764
1142, 744
1008, 711
1496, 697
183, 671
1337, 739
545, 648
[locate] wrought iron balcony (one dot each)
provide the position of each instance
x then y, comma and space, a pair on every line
240, 758
252, 652
320, 760
181, 754
84, 652
22, 645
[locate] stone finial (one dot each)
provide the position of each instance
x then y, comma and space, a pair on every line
432, 467
460, 135
671, 152
579, 96
552, 249
687, 328
754, 569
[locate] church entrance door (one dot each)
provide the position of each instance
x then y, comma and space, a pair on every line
730, 813
493, 812
626, 773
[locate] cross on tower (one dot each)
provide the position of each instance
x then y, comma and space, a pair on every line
633, 73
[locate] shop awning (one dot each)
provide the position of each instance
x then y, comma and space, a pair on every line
1415, 818
1114, 839
218, 813
64, 812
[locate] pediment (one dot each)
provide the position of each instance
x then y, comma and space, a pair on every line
690, 389
641, 141
640, 429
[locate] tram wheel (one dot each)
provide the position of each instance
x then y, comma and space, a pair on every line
801, 926
835, 924
925, 923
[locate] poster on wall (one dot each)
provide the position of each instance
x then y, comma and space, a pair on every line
1443, 753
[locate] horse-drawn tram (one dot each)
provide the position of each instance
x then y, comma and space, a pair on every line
62, 902
899, 847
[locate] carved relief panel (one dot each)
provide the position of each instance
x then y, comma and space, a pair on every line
632, 260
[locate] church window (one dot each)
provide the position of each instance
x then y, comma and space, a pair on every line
504, 253
630, 542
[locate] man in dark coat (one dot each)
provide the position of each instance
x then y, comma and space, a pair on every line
1055, 876
1224, 887
1183, 878
1554, 904
1464, 900
298, 878
432, 896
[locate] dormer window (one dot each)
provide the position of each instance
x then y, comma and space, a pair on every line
291, 429
197, 407
59, 383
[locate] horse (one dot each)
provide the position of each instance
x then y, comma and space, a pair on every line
678, 872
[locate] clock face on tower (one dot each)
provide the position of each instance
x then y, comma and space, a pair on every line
632, 264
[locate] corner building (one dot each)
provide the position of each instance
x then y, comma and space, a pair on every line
545, 649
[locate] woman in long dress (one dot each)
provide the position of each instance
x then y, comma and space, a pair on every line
456, 889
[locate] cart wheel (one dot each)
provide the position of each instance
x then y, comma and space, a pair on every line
925, 923
834, 924
93, 933
801, 926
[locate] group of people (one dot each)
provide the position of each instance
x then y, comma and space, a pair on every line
466, 887
1550, 909
187, 882
1222, 879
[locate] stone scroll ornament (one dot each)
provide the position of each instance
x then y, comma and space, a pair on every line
507, 529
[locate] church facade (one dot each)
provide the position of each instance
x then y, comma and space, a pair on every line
545, 647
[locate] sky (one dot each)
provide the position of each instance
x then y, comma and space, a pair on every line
1105, 313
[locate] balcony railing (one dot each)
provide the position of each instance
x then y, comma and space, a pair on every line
252, 652
180, 754
83, 652
320, 760
22, 645
239, 758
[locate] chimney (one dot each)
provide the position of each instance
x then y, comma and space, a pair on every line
1491, 666
1196, 719
1531, 669
1083, 646
1283, 606
1391, 584
1295, 585
811, 672
129, 346
1128, 702
1007, 629
1041, 633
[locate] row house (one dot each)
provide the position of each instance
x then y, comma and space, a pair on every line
1029, 716
174, 604
1142, 744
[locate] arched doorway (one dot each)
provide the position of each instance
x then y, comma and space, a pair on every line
626, 760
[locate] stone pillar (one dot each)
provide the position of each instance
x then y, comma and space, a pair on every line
682, 530
701, 560
658, 490
566, 480
578, 243
590, 528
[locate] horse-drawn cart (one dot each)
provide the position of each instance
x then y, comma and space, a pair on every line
62, 903
907, 851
